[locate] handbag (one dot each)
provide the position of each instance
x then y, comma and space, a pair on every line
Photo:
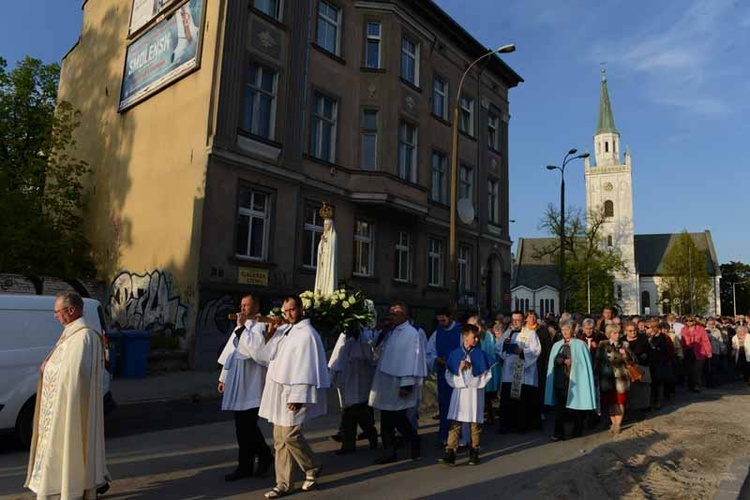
634, 371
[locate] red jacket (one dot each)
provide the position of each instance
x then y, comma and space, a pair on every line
695, 338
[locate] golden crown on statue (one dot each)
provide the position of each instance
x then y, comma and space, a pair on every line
326, 211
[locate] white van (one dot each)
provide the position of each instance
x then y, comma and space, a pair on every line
28, 332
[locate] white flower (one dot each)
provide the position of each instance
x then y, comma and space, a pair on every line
352, 300
306, 303
345, 305
316, 304
334, 300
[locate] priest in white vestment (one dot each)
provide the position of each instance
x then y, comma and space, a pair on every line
295, 392
397, 385
67, 450
241, 384
519, 348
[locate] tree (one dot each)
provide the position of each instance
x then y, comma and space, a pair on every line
590, 266
686, 280
41, 193
739, 273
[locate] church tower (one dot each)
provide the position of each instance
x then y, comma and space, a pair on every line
609, 189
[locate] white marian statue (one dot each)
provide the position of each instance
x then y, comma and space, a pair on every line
326, 278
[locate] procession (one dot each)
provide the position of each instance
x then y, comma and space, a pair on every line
582, 374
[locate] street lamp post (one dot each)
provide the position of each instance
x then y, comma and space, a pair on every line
505, 49
567, 158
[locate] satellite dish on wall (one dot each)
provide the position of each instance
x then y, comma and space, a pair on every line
465, 210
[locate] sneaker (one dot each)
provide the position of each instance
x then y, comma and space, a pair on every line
449, 458
474, 456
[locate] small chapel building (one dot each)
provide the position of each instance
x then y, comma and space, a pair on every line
609, 185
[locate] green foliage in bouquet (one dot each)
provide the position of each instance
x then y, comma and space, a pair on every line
343, 310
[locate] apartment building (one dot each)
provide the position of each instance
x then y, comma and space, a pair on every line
217, 128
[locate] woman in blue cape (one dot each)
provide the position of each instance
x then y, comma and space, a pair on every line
570, 382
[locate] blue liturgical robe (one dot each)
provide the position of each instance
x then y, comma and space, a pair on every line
581, 391
441, 344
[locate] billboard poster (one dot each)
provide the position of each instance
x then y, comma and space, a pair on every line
145, 10
162, 54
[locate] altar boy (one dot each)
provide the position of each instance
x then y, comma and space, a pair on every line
467, 372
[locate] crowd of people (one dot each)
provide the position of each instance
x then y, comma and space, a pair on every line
514, 374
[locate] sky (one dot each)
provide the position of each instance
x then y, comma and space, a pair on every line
677, 71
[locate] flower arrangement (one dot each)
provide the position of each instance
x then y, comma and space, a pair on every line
342, 310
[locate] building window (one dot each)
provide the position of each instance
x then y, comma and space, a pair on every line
313, 230
372, 45
410, 61
645, 302
525, 304
438, 184
466, 120
259, 114
369, 139
435, 262
466, 182
552, 305
463, 259
619, 292
323, 128
363, 248
609, 208
329, 27
609, 241
493, 130
606, 146
440, 98
269, 7
407, 152
403, 257
493, 201
252, 225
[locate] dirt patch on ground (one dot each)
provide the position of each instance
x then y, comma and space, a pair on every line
682, 452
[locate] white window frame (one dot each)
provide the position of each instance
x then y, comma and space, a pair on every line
376, 39
466, 115
413, 55
279, 8
359, 241
441, 196
466, 181
440, 96
331, 22
369, 133
315, 230
463, 261
403, 254
265, 215
318, 119
407, 151
493, 200
258, 92
493, 130
435, 267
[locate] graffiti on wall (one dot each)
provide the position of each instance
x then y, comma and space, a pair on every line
212, 317
147, 301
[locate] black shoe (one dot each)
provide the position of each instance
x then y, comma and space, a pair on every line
344, 451
416, 449
388, 458
373, 440
337, 437
264, 465
473, 456
101, 490
449, 458
558, 437
237, 474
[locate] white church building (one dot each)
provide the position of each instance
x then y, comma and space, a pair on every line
609, 185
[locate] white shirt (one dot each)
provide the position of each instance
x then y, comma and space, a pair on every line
401, 364
242, 376
467, 399
528, 341
297, 373
352, 368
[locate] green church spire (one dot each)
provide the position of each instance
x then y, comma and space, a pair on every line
606, 122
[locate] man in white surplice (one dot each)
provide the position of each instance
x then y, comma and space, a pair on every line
67, 450
397, 385
295, 392
241, 383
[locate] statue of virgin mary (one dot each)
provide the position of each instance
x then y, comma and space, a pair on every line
325, 277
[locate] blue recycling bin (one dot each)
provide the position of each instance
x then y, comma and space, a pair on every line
115, 351
134, 348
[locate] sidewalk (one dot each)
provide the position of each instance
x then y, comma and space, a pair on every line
165, 387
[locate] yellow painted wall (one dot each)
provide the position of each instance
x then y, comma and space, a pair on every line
149, 162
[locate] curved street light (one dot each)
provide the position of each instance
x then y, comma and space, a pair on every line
505, 49
567, 158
